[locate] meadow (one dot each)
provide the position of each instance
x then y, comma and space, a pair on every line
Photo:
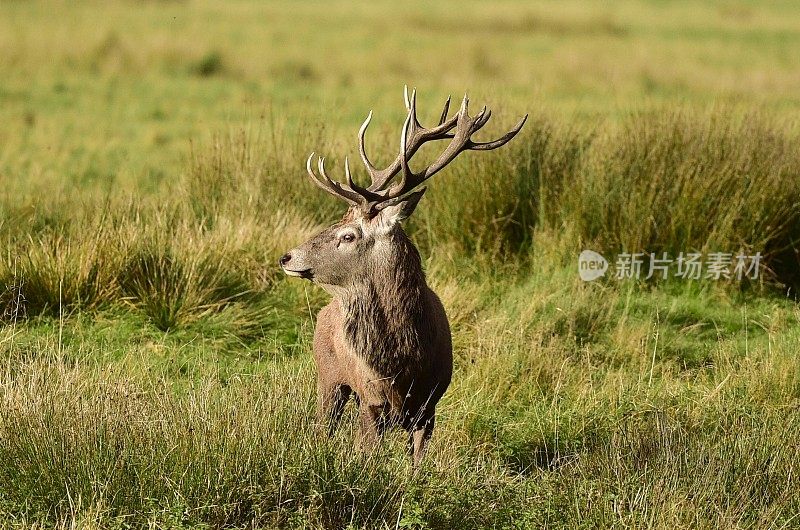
155, 364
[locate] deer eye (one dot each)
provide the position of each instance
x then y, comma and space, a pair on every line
347, 238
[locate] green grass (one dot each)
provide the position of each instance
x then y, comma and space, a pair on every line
155, 366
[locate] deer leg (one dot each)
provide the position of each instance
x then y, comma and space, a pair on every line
418, 439
370, 425
332, 399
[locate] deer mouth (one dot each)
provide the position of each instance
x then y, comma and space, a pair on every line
305, 273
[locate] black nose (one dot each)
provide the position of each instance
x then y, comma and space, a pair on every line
286, 258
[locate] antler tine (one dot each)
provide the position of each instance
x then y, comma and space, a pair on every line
462, 110
372, 170
321, 167
488, 146
355, 187
481, 118
412, 110
313, 175
403, 150
443, 117
485, 117
347, 174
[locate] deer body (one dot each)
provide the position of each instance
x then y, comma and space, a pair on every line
388, 342
384, 338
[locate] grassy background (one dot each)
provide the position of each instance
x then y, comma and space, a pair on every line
156, 366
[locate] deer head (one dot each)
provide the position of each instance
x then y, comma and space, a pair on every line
369, 233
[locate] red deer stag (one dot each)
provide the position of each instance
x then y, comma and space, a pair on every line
384, 337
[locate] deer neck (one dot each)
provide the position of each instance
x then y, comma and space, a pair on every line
384, 311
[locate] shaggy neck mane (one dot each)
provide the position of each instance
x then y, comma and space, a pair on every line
384, 311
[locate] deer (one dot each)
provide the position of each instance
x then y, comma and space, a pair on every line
384, 338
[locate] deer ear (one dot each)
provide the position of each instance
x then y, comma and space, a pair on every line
394, 213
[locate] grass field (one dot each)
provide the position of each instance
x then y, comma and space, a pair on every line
155, 365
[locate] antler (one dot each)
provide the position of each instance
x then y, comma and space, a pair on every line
457, 129
348, 191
